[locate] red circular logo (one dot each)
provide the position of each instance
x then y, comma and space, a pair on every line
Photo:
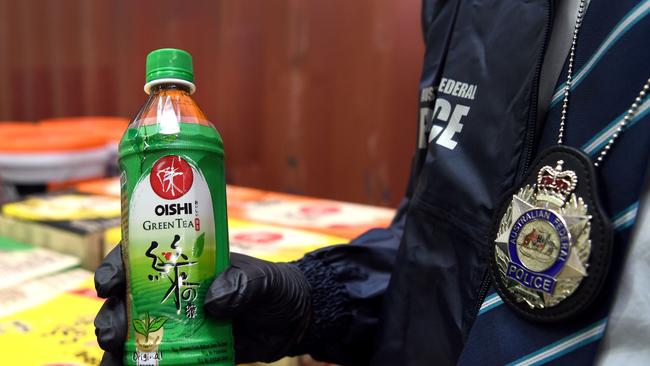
171, 177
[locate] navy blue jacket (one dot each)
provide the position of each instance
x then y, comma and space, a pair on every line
418, 293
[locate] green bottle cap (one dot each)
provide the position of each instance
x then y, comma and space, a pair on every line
169, 63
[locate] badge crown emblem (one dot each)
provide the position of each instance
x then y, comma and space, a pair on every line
557, 180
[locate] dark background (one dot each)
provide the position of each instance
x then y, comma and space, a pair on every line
316, 97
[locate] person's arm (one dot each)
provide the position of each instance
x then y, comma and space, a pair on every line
327, 304
348, 283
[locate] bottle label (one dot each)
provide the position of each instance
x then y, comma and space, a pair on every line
172, 258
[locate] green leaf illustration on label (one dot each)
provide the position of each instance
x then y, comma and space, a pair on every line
157, 323
140, 327
149, 325
197, 250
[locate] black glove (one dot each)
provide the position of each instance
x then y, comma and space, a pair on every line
269, 304
110, 322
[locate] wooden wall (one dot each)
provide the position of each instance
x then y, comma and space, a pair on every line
316, 97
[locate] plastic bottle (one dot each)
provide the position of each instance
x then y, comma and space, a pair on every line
174, 225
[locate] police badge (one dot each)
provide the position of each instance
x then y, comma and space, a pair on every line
551, 244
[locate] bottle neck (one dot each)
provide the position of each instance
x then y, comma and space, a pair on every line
170, 103
156, 89
160, 85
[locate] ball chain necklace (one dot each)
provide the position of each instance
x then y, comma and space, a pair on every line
551, 244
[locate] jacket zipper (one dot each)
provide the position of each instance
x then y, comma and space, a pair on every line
486, 282
482, 292
532, 117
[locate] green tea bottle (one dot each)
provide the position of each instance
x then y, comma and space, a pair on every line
174, 224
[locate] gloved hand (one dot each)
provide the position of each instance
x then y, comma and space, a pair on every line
269, 304
110, 322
